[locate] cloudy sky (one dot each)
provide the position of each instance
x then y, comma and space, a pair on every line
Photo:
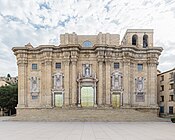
42, 21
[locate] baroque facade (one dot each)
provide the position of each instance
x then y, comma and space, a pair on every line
166, 92
94, 71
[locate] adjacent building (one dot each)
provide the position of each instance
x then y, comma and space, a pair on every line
4, 81
89, 71
166, 92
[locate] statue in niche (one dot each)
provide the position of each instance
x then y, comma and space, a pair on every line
87, 71
117, 81
57, 81
34, 86
139, 84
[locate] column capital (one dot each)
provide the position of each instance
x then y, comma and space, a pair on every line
74, 60
66, 62
48, 62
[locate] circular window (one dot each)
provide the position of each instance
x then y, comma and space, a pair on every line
87, 44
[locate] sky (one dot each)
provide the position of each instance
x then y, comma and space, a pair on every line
42, 22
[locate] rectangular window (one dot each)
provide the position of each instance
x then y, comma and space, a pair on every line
170, 109
162, 88
34, 66
162, 98
162, 78
171, 86
161, 109
58, 65
34, 97
171, 98
116, 66
171, 75
140, 67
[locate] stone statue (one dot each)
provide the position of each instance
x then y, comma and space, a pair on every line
139, 84
57, 81
116, 81
87, 71
34, 86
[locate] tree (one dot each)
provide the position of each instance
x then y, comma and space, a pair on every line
8, 75
9, 98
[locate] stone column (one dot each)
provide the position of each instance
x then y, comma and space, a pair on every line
48, 83
66, 83
22, 84
108, 82
74, 83
100, 83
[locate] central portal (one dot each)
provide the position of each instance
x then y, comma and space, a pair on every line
87, 96
116, 100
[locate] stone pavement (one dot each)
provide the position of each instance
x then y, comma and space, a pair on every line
11, 130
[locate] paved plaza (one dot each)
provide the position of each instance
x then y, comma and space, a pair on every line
10, 130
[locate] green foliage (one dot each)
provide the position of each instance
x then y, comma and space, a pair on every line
9, 97
8, 76
173, 120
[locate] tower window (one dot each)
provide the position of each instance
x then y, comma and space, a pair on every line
134, 39
145, 41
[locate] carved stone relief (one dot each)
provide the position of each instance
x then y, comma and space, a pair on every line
140, 95
58, 80
34, 86
86, 70
139, 84
117, 81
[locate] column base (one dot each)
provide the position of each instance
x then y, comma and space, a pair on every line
79, 105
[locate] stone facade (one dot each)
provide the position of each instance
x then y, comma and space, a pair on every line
93, 71
166, 92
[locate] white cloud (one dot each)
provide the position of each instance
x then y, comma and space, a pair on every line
41, 22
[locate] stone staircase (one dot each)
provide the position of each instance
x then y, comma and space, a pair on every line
90, 115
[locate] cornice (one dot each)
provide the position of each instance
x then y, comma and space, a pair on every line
78, 48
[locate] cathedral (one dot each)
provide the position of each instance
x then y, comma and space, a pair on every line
89, 71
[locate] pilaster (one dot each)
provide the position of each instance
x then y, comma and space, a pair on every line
100, 83
22, 83
48, 82
153, 84
126, 81
66, 63
74, 82
108, 77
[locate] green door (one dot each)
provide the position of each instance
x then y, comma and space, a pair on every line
87, 97
116, 100
58, 100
